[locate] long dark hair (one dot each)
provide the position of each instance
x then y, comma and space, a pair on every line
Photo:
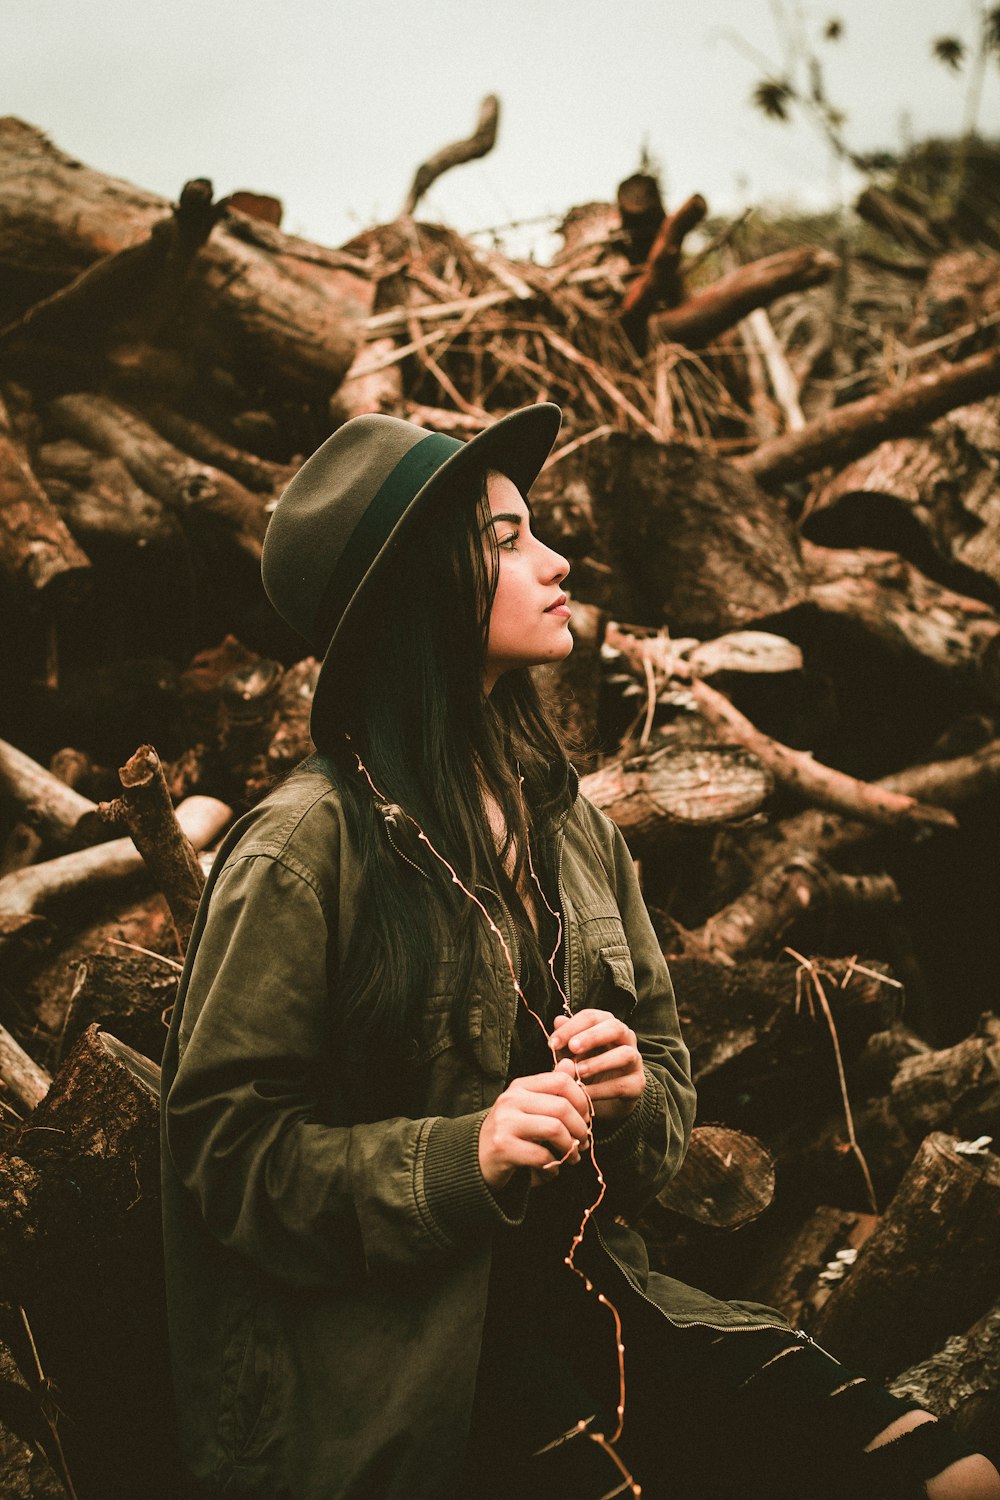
410, 705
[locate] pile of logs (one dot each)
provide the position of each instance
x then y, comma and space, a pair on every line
785, 689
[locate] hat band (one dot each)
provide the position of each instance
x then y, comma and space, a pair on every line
369, 536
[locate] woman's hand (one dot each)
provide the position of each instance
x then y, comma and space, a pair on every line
540, 1121
606, 1057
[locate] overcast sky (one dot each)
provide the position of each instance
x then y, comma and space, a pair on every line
331, 105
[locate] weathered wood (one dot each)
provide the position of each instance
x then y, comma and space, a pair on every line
961, 1382
659, 278
792, 1281
46, 802
955, 1089
140, 284
145, 809
214, 503
20, 1074
80, 1251
665, 533
479, 143
771, 906
100, 501
125, 992
906, 612
822, 785
36, 548
257, 474
706, 314
261, 301
29, 891
682, 785
725, 1180
641, 212
931, 496
931, 1266
848, 431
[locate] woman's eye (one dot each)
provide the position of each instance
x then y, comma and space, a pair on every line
508, 543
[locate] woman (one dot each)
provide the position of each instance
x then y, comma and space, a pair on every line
425, 1063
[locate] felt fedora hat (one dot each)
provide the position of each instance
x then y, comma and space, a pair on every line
350, 501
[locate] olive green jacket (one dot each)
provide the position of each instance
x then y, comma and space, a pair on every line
327, 1273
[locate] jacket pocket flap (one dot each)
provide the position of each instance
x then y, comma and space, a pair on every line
617, 961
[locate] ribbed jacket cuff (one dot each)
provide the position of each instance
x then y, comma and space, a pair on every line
624, 1140
457, 1193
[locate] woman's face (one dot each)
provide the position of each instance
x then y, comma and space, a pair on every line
529, 621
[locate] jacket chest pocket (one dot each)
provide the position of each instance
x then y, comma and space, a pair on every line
454, 1046
608, 976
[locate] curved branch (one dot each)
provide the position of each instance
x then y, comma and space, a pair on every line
479, 143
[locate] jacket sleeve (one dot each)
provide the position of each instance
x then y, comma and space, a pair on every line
307, 1200
640, 1155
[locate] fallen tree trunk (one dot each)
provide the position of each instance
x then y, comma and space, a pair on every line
710, 312
46, 802
955, 1088
848, 431
80, 1252
216, 504
725, 1180
36, 548
892, 601
683, 785
31, 890
262, 301
931, 1265
100, 501
769, 909
961, 1383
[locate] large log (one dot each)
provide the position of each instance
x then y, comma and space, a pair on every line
692, 786
214, 504
961, 1382
100, 501
955, 1088
36, 548
894, 603
931, 497
285, 312
46, 802
848, 431
663, 533
80, 1252
930, 1268
708, 313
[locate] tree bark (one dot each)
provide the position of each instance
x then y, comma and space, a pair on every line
659, 277
36, 549
686, 785
710, 312
261, 301
961, 1383
848, 431
955, 1089
213, 503
930, 1267
479, 143
145, 809
80, 1251
100, 501
63, 816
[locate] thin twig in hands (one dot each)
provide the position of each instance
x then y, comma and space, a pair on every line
601, 1439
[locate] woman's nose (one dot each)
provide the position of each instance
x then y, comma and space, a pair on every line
556, 566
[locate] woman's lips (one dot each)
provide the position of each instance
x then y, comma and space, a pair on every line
560, 608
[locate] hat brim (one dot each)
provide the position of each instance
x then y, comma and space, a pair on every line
517, 445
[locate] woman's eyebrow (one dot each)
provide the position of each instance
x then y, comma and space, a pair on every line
504, 515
